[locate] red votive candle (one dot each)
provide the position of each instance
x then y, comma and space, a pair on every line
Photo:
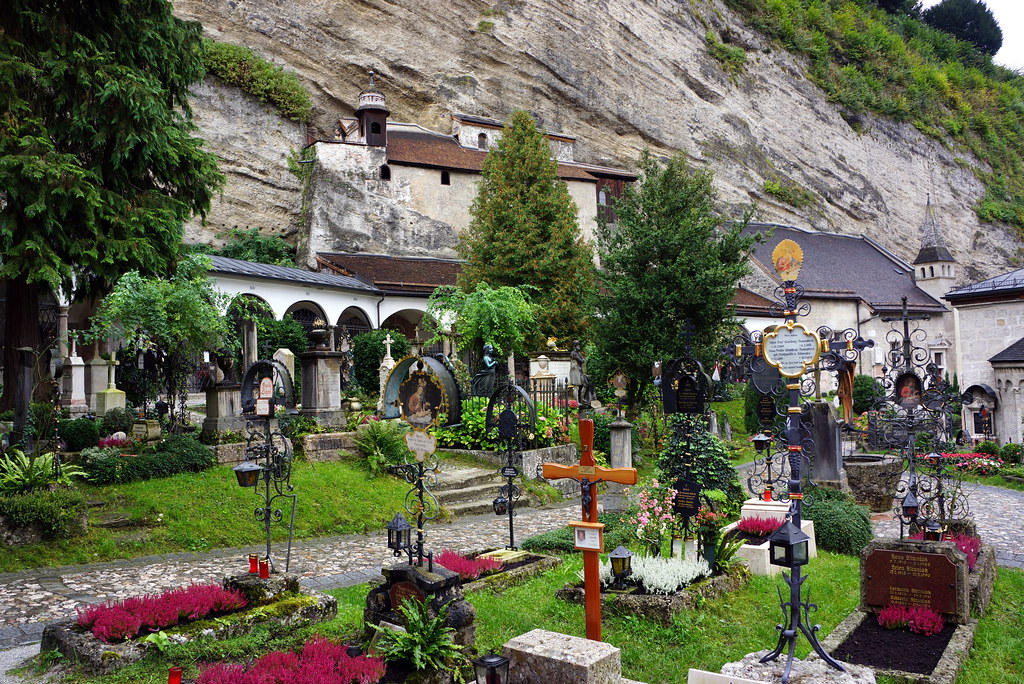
174, 675
254, 563
264, 568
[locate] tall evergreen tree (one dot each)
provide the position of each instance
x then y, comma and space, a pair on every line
668, 259
910, 8
969, 20
524, 231
99, 167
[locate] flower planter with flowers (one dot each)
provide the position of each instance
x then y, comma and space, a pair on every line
107, 637
758, 519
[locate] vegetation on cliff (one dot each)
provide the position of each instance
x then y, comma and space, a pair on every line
240, 66
869, 61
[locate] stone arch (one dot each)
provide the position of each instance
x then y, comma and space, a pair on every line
305, 312
406, 321
354, 320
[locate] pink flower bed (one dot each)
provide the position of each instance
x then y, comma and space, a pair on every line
920, 619
966, 543
129, 618
468, 568
974, 463
321, 661
114, 442
758, 526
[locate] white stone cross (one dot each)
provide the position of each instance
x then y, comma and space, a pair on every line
387, 345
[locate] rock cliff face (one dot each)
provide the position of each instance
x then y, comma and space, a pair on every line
620, 76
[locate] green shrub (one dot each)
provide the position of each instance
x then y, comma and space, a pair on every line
1011, 453
7, 415
78, 434
117, 420
816, 493
177, 454
382, 443
866, 393
240, 66
987, 447
57, 511
840, 526
23, 473
368, 350
294, 426
711, 466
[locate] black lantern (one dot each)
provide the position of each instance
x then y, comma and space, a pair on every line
933, 531
788, 546
491, 669
399, 534
761, 441
501, 505
621, 559
248, 474
910, 505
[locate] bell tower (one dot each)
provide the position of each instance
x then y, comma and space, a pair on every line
934, 267
372, 115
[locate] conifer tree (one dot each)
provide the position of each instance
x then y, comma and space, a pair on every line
99, 167
524, 231
969, 20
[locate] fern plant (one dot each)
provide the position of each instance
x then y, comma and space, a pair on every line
426, 642
382, 442
21, 473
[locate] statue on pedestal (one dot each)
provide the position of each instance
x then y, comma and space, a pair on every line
483, 380
578, 377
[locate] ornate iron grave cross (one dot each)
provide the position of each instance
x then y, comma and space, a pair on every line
588, 532
514, 414
795, 350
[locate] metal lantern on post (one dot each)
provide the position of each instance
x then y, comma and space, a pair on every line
491, 669
400, 536
500, 505
621, 559
248, 473
788, 546
933, 531
761, 442
910, 506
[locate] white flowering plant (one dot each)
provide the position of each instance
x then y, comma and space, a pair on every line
661, 575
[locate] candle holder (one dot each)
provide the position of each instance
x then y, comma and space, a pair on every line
174, 675
254, 563
265, 568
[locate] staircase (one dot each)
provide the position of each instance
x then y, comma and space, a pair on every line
467, 491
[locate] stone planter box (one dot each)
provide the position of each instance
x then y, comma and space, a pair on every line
871, 481
510, 578
231, 454
271, 601
325, 446
982, 579
945, 672
757, 555
530, 461
658, 608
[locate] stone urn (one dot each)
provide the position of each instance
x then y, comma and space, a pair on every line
354, 404
318, 338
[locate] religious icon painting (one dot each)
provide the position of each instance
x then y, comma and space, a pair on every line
421, 398
908, 391
787, 257
620, 382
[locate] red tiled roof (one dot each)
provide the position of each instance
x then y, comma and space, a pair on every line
747, 302
406, 275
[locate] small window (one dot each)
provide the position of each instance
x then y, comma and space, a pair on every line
931, 270
922, 272
938, 359
375, 128
602, 198
481, 141
385, 172
446, 178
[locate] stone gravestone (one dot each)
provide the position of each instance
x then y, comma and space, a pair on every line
827, 464
543, 656
914, 572
439, 588
321, 386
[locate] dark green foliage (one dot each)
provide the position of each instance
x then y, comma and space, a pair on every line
561, 540
368, 350
665, 261
240, 66
525, 232
57, 511
816, 493
840, 526
987, 446
866, 393
252, 245
42, 420
79, 434
117, 420
910, 8
425, 643
1011, 453
710, 467
98, 159
969, 20
382, 443
177, 454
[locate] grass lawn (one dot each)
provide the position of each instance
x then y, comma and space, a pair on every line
994, 481
208, 510
740, 449
721, 631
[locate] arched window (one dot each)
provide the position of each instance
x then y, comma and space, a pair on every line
481, 141
922, 271
385, 172
602, 198
931, 270
375, 128
446, 178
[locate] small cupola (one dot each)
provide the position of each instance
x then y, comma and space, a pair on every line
372, 114
934, 259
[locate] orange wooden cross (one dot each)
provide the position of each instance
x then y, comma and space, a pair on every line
588, 474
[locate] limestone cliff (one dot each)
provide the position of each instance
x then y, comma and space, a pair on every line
619, 75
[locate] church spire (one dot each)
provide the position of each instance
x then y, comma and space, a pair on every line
933, 246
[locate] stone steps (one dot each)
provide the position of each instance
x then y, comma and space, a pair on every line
470, 491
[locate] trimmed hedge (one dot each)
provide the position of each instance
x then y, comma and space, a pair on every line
561, 540
176, 454
117, 420
840, 526
79, 434
56, 511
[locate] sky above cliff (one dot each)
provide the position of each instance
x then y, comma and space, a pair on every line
1010, 15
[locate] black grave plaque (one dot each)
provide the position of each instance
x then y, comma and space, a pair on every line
910, 578
687, 498
689, 397
765, 409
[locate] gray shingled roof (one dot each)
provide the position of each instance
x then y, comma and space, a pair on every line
1015, 352
847, 266
251, 269
1000, 284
